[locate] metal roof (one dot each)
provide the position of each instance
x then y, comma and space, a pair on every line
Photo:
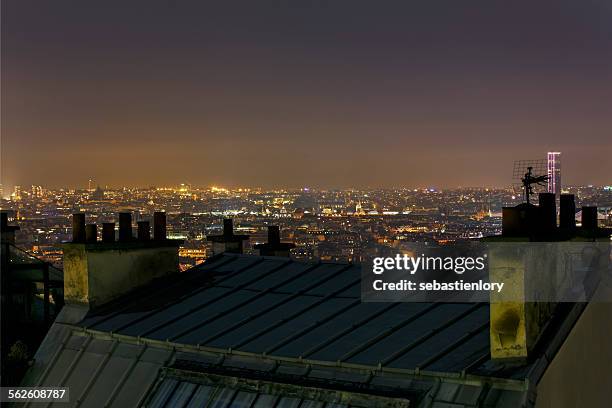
275, 306
242, 331
111, 371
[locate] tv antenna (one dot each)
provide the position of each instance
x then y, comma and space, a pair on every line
530, 177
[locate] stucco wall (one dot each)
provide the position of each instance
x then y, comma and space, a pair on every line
95, 274
580, 375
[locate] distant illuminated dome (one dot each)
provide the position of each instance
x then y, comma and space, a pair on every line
298, 213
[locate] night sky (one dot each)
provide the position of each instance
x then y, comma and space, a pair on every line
304, 93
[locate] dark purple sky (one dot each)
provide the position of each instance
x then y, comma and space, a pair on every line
292, 93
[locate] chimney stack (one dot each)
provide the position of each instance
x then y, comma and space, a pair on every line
91, 233
228, 227
144, 231
274, 246
78, 227
589, 218
227, 241
159, 226
125, 227
273, 234
548, 211
567, 212
108, 232
96, 273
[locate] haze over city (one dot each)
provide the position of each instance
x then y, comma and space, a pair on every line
326, 94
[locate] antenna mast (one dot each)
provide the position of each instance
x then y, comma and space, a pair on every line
529, 180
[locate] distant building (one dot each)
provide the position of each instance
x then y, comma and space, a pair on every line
554, 173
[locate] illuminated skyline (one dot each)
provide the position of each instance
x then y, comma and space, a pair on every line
338, 94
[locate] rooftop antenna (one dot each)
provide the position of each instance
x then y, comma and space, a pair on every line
530, 177
529, 180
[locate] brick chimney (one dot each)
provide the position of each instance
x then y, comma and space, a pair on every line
227, 241
96, 272
274, 246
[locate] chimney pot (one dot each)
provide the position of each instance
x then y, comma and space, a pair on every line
144, 231
228, 227
548, 211
567, 212
91, 233
108, 232
589, 218
78, 227
159, 225
273, 234
125, 227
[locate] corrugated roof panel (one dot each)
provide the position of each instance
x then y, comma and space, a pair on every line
236, 264
449, 336
341, 323
199, 332
255, 273
312, 317
466, 353
391, 343
82, 372
261, 320
119, 320
368, 331
133, 391
107, 380
168, 313
288, 402
340, 281
60, 367
352, 292
182, 394
243, 399
288, 272
163, 393
315, 277
265, 401
201, 396
222, 398
173, 325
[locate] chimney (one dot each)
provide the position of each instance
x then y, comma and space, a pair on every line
548, 212
125, 227
567, 212
98, 272
108, 232
274, 246
589, 218
91, 233
520, 221
78, 227
516, 321
7, 232
227, 241
144, 231
228, 227
159, 225
273, 235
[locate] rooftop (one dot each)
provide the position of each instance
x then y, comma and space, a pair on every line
241, 325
